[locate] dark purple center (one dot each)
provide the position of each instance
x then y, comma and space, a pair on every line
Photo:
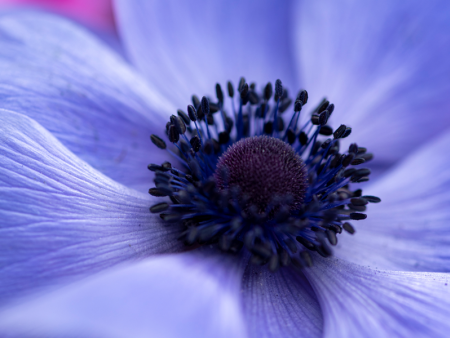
266, 170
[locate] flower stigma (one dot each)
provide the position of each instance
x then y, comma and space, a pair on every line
251, 180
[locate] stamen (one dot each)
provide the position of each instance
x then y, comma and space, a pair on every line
253, 182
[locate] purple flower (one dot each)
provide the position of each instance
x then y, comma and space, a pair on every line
80, 254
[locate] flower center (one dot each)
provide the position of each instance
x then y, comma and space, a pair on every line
252, 179
267, 172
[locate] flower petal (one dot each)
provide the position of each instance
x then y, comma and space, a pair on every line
78, 89
362, 302
184, 48
280, 304
383, 64
185, 295
61, 219
409, 229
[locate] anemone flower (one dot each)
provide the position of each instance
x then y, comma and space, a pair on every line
82, 255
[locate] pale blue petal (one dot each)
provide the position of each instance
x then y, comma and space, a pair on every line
361, 302
409, 229
61, 219
83, 93
280, 304
185, 47
383, 63
185, 295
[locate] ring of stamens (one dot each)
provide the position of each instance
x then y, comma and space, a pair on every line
252, 180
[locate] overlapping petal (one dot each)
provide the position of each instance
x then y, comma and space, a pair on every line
409, 229
362, 302
61, 219
85, 95
184, 295
280, 304
184, 48
384, 65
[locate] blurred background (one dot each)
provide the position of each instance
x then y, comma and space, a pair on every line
95, 14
